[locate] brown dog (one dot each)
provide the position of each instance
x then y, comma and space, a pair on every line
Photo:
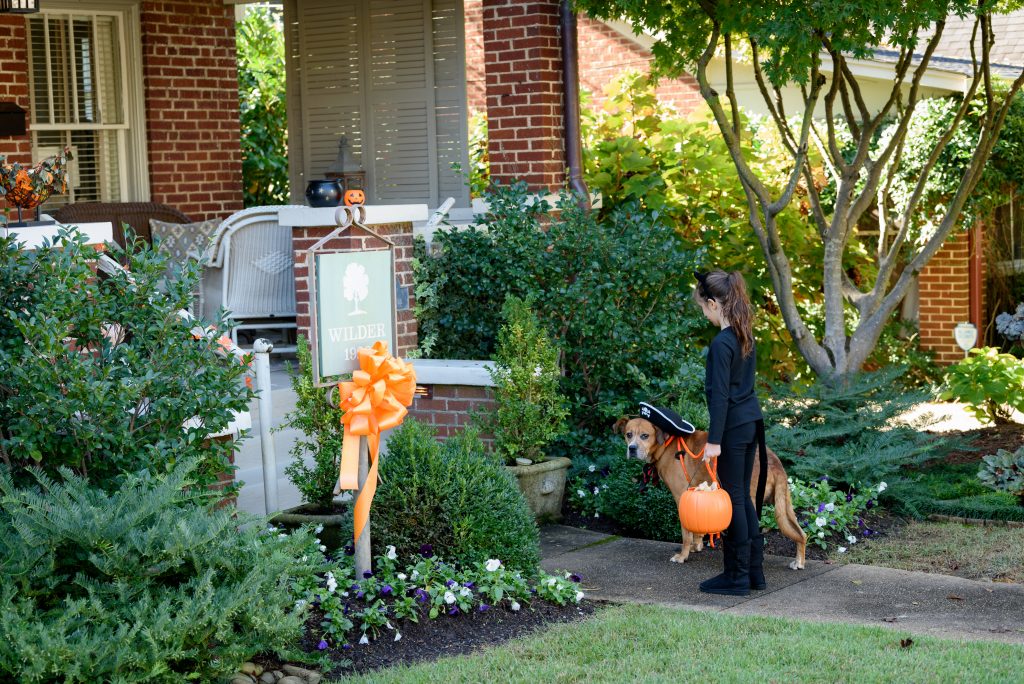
647, 443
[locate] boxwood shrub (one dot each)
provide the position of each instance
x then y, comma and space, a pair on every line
454, 497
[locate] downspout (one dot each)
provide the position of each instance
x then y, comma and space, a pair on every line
571, 99
974, 268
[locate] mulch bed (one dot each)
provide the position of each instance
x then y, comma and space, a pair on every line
444, 636
983, 441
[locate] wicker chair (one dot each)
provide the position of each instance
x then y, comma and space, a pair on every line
135, 214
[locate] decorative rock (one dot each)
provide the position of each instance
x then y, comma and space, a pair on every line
251, 669
278, 674
242, 679
291, 680
523, 461
268, 678
308, 676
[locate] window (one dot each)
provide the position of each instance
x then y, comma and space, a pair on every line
82, 98
1007, 238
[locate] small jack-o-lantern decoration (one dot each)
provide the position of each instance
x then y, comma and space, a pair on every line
354, 197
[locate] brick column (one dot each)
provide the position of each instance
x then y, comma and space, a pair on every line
522, 62
945, 298
191, 91
14, 84
401, 234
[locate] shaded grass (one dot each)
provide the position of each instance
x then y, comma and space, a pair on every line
657, 644
971, 551
953, 489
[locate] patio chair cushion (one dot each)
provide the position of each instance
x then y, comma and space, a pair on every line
182, 241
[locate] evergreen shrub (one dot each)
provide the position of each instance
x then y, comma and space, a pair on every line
850, 433
454, 497
140, 584
612, 290
528, 410
100, 374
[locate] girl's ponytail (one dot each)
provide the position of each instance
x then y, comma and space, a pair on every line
730, 291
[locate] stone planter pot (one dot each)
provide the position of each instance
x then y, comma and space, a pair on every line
543, 485
332, 536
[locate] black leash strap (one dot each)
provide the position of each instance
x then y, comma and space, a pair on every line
762, 475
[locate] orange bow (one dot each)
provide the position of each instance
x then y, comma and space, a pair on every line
375, 400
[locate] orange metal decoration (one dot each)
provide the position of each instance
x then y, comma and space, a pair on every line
375, 400
354, 197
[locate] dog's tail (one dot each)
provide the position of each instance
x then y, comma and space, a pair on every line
784, 508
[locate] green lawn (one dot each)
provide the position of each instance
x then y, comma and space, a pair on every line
971, 551
655, 644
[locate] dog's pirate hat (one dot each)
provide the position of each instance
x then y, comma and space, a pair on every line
665, 419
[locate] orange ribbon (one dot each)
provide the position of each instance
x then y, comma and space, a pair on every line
375, 400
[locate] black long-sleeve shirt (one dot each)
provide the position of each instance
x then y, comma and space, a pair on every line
729, 385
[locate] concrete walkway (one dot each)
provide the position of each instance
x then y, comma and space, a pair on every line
638, 571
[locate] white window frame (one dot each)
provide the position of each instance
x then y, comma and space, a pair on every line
133, 156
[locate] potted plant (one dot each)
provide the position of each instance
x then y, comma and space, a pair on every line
529, 410
321, 429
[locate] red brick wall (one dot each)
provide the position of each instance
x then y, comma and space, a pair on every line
450, 407
605, 54
191, 103
476, 80
522, 63
944, 298
14, 83
399, 233
191, 91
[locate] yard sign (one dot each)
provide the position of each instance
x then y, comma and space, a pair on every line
352, 301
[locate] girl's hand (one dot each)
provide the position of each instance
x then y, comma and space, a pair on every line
712, 451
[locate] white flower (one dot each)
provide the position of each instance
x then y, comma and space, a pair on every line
841, 549
300, 604
388, 624
579, 596
304, 559
401, 576
821, 535
319, 529
596, 515
492, 565
271, 529
830, 507
449, 597
323, 549
851, 539
592, 468
596, 490
282, 536
332, 584
537, 371
550, 581
790, 480
398, 636
415, 575
580, 493
391, 554
820, 521
882, 487
364, 641
515, 606
465, 591
344, 594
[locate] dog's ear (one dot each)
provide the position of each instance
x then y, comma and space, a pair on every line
620, 425
660, 435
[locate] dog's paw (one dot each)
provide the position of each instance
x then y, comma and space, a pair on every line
796, 565
679, 558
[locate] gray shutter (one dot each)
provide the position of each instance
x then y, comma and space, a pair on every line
391, 77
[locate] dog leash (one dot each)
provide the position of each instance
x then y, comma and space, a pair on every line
711, 466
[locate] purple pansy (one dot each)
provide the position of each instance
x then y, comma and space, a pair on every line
484, 608
367, 574
821, 508
346, 647
422, 596
385, 590
870, 504
849, 498
575, 578
427, 550
469, 585
350, 550
454, 610
322, 645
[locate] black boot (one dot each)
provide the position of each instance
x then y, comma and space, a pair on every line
757, 580
735, 580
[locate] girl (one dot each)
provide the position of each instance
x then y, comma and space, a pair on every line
735, 427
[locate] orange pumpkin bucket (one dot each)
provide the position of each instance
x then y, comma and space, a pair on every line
706, 511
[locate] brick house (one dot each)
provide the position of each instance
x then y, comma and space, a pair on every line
145, 92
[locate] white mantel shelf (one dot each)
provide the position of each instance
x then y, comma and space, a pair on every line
376, 214
32, 237
452, 372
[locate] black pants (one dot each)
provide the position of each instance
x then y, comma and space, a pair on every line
735, 468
